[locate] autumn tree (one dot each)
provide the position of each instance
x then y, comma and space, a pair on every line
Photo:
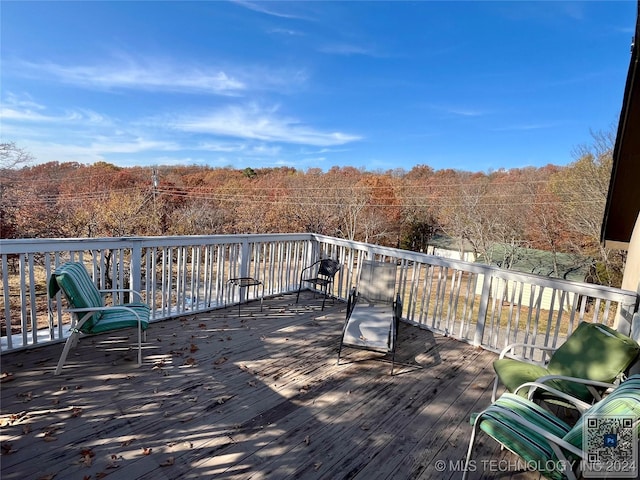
11, 159
582, 189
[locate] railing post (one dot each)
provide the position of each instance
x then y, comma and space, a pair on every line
245, 260
135, 269
624, 320
482, 310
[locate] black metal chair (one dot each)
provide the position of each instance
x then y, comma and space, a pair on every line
320, 274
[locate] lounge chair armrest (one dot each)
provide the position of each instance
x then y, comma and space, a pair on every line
121, 290
351, 302
533, 386
590, 384
102, 309
511, 346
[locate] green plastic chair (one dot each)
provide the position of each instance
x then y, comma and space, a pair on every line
89, 312
546, 442
593, 352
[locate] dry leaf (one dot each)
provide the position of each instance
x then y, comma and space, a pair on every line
76, 412
316, 466
307, 440
87, 451
27, 396
146, 451
168, 462
194, 348
222, 399
220, 361
6, 377
6, 448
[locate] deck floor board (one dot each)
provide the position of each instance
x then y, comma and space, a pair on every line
256, 396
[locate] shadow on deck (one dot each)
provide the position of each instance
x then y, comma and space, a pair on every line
258, 396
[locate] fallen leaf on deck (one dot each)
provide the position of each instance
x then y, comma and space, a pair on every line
146, 451
220, 361
7, 448
6, 377
307, 440
27, 396
87, 452
168, 462
194, 348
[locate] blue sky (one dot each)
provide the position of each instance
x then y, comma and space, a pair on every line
475, 86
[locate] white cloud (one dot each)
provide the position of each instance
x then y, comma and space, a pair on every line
139, 74
160, 75
348, 49
134, 145
252, 122
26, 110
270, 10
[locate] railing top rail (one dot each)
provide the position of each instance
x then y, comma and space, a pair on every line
35, 245
589, 289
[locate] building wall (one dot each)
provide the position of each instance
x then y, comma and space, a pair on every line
631, 281
525, 295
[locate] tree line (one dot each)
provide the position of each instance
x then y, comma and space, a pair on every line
554, 208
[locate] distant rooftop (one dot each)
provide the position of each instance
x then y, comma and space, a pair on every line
529, 260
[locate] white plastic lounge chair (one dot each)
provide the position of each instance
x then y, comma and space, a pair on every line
372, 311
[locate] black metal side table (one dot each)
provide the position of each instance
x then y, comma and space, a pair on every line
244, 282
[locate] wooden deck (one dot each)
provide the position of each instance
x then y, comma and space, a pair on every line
255, 397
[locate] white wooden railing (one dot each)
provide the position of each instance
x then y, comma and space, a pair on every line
483, 305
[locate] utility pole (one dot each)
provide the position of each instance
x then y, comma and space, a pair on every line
154, 190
